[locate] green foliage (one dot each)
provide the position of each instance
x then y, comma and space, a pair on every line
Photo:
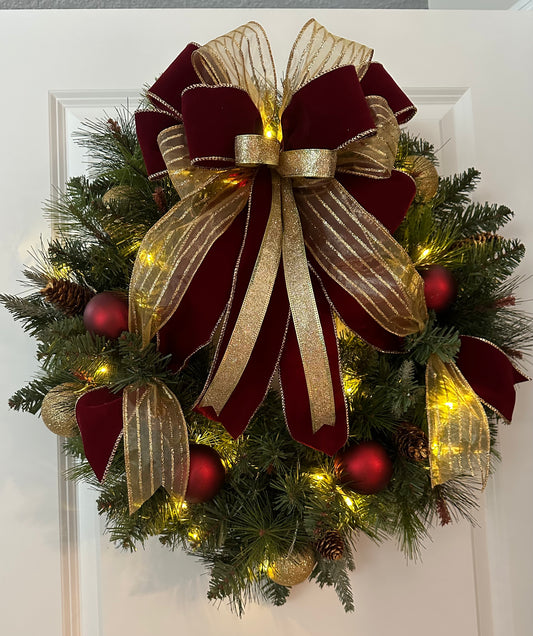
279, 496
32, 311
410, 145
434, 339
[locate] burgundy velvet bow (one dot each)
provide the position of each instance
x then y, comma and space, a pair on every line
327, 112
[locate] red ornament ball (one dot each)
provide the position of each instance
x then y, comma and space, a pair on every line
439, 287
106, 314
364, 468
206, 474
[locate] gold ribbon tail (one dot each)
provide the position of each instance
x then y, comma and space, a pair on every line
459, 436
305, 314
253, 310
156, 447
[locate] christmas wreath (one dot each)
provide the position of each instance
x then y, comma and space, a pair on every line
265, 324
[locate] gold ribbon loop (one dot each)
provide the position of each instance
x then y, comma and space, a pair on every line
359, 253
172, 251
317, 51
253, 310
308, 162
458, 428
156, 447
255, 150
186, 178
305, 315
373, 156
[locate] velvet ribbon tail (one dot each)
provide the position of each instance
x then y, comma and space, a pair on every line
253, 310
99, 417
491, 374
193, 324
294, 387
171, 253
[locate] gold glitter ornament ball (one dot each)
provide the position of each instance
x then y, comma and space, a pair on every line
116, 194
293, 569
58, 410
425, 175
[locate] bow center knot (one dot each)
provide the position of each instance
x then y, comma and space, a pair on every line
257, 150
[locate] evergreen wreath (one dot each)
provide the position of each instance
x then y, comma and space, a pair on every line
264, 512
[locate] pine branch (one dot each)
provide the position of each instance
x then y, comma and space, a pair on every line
410, 145
434, 339
32, 311
30, 397
335, 574
112, 146
453, 191
476, 218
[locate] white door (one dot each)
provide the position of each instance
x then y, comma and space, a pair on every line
470, 73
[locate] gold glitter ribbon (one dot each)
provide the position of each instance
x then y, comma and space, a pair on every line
255, 150
305, 315
459, 436
155, 443
308, 162
252, 312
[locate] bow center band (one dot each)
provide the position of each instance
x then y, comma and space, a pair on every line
256, 150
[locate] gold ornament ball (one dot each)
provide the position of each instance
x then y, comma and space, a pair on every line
425, 175
58, 410
117, 194
293, 569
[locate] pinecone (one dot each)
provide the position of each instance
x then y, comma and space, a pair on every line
114, 127
331, 545
160, 199
68, 297
412, 442
443, 512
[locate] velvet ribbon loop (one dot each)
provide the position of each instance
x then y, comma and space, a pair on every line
150, 421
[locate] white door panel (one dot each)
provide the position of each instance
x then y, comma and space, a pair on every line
470, 74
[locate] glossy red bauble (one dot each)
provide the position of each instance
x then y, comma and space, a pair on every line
439, 288
365, 468
106, 314
206, 474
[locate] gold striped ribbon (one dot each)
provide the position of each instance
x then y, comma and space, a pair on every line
459, 436
155, 443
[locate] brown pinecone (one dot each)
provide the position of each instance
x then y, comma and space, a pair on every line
160, 199
443, 512
68, 297
114, 127
412, 442
331, 545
